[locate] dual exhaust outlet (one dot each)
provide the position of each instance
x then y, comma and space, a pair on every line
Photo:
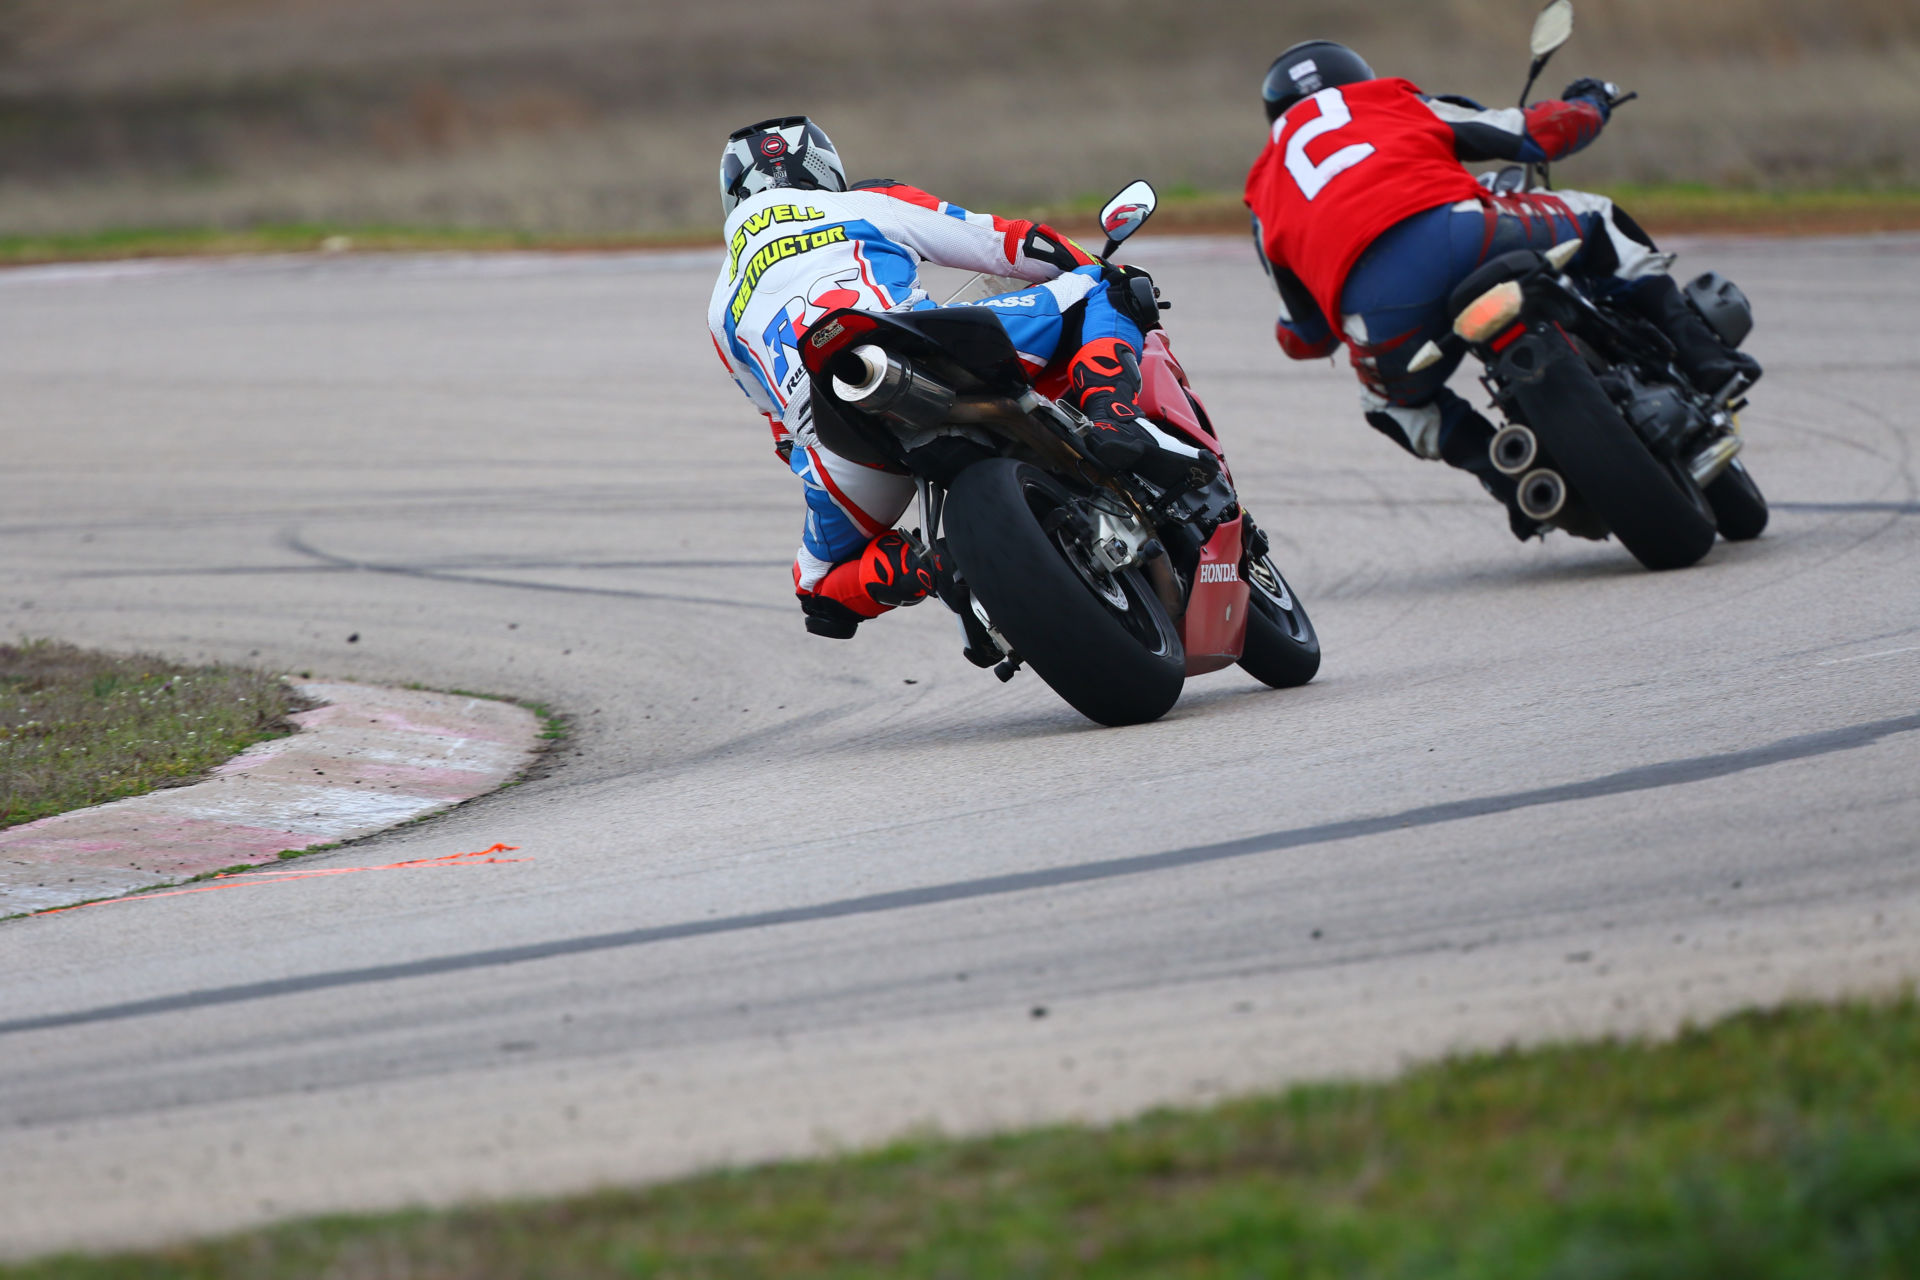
1542, 492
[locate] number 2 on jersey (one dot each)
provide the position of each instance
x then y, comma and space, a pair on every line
1334, 114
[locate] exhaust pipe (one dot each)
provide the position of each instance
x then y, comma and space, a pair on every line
871, 378
1542, 494
1513, 449
1714, 459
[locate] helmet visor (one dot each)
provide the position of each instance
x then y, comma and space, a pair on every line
778, 122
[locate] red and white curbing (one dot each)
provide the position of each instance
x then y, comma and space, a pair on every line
365, 760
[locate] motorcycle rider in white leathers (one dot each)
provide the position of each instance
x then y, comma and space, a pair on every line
800, 243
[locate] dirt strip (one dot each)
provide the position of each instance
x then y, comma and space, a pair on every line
365, 760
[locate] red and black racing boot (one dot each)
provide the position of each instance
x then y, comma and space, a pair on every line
886, 574
1102, 380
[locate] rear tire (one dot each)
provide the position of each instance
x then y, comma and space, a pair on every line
1658, 516
1739, 508
1105, 644
1282, 648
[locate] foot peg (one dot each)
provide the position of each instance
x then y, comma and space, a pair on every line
979, 648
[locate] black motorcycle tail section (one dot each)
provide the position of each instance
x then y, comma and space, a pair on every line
963, 348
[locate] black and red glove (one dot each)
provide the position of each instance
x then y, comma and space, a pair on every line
1600, 93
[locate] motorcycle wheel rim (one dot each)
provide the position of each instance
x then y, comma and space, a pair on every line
1124, 595
1271, 590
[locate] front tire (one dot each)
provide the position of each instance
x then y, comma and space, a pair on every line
1103, 642
1282, 649
1739, 508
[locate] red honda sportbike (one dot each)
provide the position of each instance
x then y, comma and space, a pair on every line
1113, 590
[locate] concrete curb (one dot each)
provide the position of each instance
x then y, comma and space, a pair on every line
365, 760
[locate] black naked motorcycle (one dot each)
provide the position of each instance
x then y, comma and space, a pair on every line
1606, 434
1111, 588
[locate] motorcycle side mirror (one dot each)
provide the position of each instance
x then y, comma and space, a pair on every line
1126, 212
1553, 28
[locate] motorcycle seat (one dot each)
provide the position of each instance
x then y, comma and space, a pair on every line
1508, 266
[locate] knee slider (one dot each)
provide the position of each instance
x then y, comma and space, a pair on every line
828, 617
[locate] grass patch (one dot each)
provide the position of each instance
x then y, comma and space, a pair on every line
553, 725
1771, 1144
79, 728
1664, 209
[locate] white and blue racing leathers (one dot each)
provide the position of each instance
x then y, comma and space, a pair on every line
793, 255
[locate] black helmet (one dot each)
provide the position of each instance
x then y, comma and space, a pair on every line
791, 151
1306, 69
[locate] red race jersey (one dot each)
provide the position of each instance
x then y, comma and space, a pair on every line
1341, 167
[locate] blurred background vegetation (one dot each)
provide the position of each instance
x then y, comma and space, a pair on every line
606, 116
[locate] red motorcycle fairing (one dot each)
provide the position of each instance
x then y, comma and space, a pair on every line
1214, 627
1166, 398
1164, 394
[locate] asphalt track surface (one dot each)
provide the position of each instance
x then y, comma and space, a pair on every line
781, 895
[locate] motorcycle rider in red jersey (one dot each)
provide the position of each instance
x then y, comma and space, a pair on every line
1365, 217
801, 243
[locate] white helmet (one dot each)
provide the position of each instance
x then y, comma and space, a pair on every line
791, 151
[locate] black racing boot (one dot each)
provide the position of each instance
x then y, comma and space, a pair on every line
1506, 489
1464, 444
1103, 379
1708, 362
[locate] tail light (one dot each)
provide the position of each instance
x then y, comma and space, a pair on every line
1491, 312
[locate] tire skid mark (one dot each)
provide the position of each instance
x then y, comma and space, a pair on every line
584, 566
292, 541
513, 501
1656, 776
1851, 508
